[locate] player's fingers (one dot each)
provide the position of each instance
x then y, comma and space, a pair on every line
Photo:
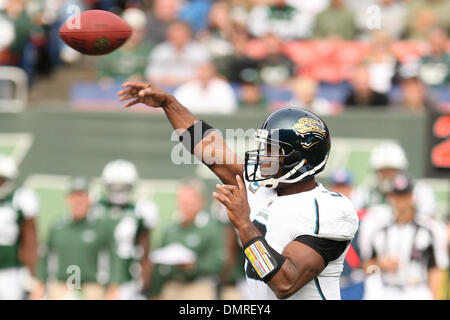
126, 97
224, 190
125, 91
132, 103
133, 84
221, 198
233, 189
129, 84
241, 186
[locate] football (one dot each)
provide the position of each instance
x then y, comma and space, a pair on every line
95, 32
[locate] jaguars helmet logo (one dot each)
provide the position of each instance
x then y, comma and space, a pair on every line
101, 45
310, 129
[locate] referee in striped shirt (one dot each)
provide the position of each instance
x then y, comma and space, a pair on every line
410, 256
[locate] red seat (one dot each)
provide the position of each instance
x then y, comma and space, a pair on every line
302, 53
406, 51
351, 52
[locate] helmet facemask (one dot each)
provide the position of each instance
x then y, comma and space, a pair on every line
119, 194
264, 163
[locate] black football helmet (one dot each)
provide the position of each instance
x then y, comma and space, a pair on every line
298, 137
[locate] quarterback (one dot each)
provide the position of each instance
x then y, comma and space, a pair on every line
295, 233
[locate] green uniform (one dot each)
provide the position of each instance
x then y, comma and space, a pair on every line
121, 226
14, 209
123, 63
72, 243
205, 238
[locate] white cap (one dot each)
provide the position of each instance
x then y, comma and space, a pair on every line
388, 155
135, 18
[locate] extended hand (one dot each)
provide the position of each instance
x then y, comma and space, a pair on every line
234, 198
143, 92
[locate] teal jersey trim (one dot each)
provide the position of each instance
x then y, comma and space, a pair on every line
316, 282
316, 230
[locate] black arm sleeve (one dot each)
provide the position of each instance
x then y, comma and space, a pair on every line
194, 134
329, 249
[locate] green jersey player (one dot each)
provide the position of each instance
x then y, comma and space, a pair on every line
127, 226
69, 266
18, 241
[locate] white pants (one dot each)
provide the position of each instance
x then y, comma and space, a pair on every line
375, 289
130, 291
11, 284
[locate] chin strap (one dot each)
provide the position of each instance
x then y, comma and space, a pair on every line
272, 183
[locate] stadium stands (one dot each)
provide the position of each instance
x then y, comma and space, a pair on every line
271, 53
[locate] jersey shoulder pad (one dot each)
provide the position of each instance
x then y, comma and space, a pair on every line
337, 217
26, 201
148, 212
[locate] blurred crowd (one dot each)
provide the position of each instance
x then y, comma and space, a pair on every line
101, 247
219, 56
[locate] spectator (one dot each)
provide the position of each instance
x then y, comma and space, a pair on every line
219, 32
240, 67
435, 66
8, 35
310, 8
305, 96
390, 16
77, 241
414, 96
176, 60
15, 11
251, 96
424, 15
199, 241
280, 18
130, 60
208, 93
162, 14
393, 14
381, 62
336, 21
410, 254
276, 68
195, 13
361, 93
